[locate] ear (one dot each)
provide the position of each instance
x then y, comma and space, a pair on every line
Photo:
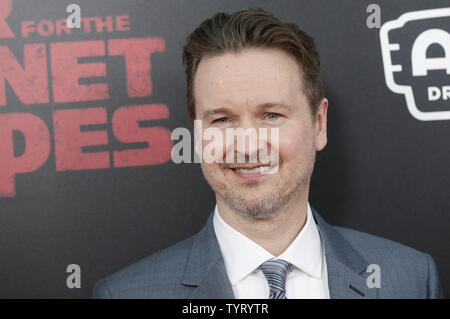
321, 125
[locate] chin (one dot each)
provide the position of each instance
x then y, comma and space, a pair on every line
260, 208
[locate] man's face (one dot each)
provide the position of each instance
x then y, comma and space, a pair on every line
240, 85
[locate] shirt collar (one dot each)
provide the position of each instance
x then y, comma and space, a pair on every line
242, 255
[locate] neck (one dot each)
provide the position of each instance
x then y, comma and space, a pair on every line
275, 233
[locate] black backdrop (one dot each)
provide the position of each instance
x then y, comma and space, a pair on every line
383, 171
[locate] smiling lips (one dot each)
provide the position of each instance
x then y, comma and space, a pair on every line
252, 171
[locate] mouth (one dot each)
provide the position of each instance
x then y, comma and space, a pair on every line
253, 171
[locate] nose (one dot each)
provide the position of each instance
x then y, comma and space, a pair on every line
245, 142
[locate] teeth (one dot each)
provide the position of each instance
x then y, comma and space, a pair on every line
254, 170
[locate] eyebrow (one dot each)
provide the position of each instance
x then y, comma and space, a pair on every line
263, 106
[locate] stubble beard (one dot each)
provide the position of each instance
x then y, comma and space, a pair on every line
270, 205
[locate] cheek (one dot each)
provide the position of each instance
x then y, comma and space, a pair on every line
295, 145
213, 146
213, 173
209, 173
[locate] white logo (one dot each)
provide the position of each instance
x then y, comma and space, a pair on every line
74, 279
408, 67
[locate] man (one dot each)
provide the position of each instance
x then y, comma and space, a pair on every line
263, 240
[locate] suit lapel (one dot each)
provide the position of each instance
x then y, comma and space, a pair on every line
344, 283
214, 285
346, 267
205, 268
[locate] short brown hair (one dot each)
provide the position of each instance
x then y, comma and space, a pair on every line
252, 28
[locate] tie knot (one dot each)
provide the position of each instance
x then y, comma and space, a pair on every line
276, 271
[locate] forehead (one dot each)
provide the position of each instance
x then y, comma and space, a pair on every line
249, 77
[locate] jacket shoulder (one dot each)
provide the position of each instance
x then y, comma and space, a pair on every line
404, 271
155, 276
371, 246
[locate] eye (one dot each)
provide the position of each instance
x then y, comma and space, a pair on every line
272, 116
221, 120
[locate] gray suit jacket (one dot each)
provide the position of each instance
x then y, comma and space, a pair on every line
194, 268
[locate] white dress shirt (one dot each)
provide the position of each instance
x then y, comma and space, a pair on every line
242, 256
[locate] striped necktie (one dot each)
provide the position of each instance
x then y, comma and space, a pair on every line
275, 271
